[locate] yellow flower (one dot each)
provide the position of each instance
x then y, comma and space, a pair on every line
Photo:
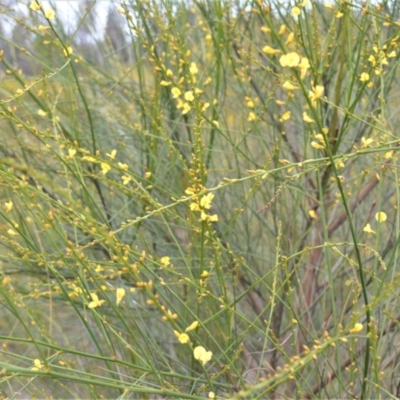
289, 86
250, 103
282, 30
104, 168
119, 295
194, 207
270, 50
42, 113
192, 326
213, 218
252, 116
339, 14
123, 166
50, 13
368, 229
286, 116
9, 206
315, 94
366, 142
95, 301
186, 108
364, 77
125, 179
165, 83
165, 261
381, 216
175, 92
202, 355
290, 60
11, 232
37, 365
388, 155
90, 159
304, 65
68, 51
372, 60
204, 274
189, 96
357, 328
193, 69
206, 200
296, 11
43, 28
71, 153
182, 337
34, 6
211, 395
313, 214
307, 118
290, 38
190, 191
205, 106
112, 154
316, 145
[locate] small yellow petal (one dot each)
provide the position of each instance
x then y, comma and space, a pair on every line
290, 60
50, 13
296, 11
357, 328
282, 30
313, 214
165, 261
192, 326
368, 229
252, 116
316, 145
381, 216
193, 68
35, 6
112, 154
289, 86
68, 51
189, 96
202, 355
119, 295
175, 92
183, 338
307, 118
269, 50
104, 168
9, 206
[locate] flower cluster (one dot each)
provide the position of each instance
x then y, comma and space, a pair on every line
202, 206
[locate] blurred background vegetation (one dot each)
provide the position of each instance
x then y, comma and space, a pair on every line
199, 200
